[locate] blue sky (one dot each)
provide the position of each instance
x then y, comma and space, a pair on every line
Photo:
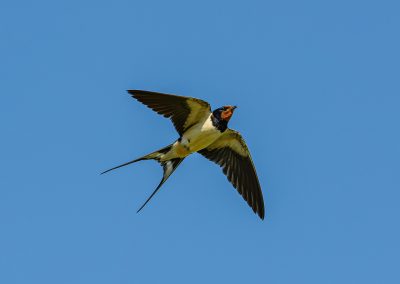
317, 85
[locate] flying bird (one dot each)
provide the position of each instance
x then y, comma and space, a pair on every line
206, 132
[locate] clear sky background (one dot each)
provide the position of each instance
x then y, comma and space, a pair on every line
317, 85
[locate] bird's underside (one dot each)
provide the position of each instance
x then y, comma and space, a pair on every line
200, 131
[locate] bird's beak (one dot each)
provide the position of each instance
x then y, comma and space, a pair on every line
234, 107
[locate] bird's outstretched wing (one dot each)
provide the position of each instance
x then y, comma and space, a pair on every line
183, 111
230, 152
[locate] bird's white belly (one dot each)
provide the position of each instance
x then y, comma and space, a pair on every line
196, 138
199, 140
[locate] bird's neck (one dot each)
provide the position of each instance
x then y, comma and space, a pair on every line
219, 123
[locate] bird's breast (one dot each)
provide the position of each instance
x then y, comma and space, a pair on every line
200, 136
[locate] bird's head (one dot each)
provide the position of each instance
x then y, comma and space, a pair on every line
224, 113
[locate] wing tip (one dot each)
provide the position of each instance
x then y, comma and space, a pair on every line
260, 209
134, 93
261, 215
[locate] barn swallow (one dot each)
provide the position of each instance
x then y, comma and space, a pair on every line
206, 132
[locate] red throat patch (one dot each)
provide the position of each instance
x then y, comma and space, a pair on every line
227, 114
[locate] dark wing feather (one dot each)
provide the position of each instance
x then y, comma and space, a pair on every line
230, 152
183, 111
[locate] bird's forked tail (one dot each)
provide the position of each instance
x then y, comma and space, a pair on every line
169, 166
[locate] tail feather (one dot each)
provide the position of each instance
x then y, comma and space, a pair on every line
125, 164
156, 155
169, 167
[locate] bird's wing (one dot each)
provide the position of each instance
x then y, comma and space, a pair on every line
230, 152
183, 111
